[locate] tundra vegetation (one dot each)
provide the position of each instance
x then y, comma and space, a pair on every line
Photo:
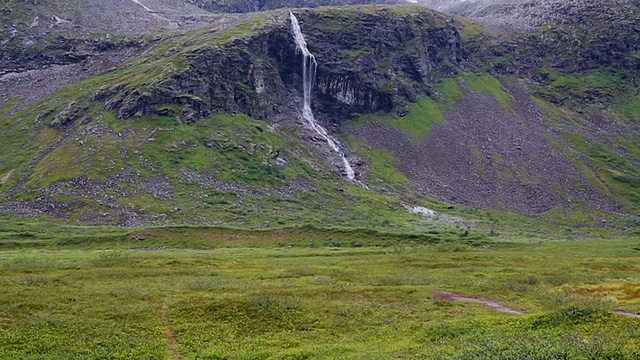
298, 293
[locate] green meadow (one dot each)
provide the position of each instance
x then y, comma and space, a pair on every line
249, 297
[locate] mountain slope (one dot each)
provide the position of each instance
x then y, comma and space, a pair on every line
535, 13
46, 45
245, 6
205, 127
112, 148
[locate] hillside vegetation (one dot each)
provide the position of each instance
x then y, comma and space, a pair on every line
204, 127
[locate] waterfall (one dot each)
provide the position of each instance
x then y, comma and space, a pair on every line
308, 77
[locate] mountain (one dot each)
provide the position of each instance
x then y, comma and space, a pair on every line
245, 6
164, 113
534, 13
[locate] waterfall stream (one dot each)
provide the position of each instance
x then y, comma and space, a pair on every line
308, 77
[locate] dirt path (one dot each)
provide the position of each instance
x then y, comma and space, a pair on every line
172, 344
454, 296
627, 313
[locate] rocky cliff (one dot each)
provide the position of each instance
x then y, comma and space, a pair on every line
404, 54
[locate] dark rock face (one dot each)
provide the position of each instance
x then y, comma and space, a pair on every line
60, 51
572, 36
239, 77
382, 60
394, 58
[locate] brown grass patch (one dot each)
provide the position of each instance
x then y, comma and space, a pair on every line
621, 291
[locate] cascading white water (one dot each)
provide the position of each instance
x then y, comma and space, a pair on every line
308, 78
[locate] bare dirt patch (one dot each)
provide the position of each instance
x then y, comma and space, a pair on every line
627, 313
620, 268
454, 296
172, 343
619, 290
